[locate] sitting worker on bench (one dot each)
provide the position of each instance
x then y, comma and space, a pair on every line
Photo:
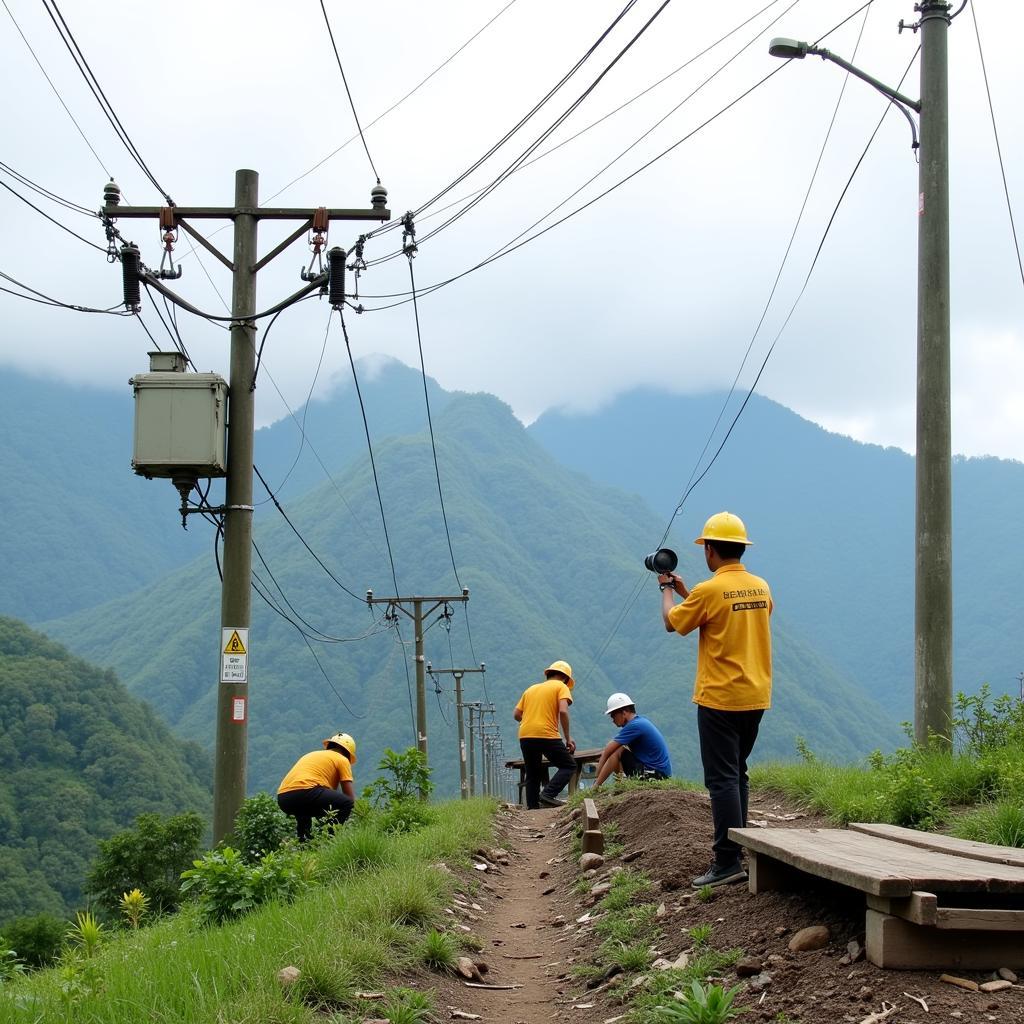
638, 749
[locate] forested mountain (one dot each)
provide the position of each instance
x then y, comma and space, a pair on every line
550, 558
80, 758
833, 524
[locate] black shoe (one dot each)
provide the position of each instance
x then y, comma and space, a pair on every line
718, 875
551, 801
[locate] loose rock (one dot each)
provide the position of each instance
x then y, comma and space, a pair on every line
866, 994
807, 939
855, 951
748, 967
467, 969
631, 856
759, 982
1007, 975
287, 976
591, 861
996, 986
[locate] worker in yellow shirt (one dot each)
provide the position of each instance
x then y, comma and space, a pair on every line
542, 708
320, 782
733, 688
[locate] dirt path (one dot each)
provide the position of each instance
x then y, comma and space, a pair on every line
519, 945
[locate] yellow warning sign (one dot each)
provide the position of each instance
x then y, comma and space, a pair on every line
234, 644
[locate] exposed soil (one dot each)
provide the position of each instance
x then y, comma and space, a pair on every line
671, 829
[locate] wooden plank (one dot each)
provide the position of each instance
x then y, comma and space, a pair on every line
590, 813
897, 944
876, 865
943, 844
918, 908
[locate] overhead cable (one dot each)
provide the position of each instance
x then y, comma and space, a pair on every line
52, 220
397, 102
348, 92
999, 149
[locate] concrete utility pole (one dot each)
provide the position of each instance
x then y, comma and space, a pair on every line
933, 577
458, 673
933, 545
472, 707
396, 604
229, 780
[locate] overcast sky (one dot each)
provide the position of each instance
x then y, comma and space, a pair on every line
660, 283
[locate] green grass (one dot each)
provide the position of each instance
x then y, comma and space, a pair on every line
343, 934
617, 788
663, 984
1000, 823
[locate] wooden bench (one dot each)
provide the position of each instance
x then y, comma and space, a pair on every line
932, 901
583, 759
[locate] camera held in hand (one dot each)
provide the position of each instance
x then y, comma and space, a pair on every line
662, 561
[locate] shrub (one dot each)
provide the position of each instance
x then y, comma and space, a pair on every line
409, 778
227, 887
358, 848
978, 728
37, 940
134, 905
260, 827
10, 962
1001, 824
151, 857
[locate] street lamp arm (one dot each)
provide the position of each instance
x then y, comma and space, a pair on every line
792, 49
886, 90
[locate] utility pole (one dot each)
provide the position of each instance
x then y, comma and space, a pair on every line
933, 576
472, 707
229, 782
458, 673
397, 604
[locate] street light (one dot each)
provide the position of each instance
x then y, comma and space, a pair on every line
933, 543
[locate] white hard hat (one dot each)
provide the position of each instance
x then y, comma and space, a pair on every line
618, 700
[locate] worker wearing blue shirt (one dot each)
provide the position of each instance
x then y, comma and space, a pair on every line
638, 749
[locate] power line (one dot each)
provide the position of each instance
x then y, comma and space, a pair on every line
522, 121
97, 90
348, 92
369, 446
999, 150
47, 300
55, 91
502, 252
45, 192
398, 102
52, 220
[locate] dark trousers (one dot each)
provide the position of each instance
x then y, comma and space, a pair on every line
557, 753
306, 804
726, 740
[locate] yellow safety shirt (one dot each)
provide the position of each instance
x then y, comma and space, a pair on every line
539, 705
734, 655
319, 768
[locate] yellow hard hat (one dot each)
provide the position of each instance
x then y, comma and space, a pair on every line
342, 739
724, 526
565, 668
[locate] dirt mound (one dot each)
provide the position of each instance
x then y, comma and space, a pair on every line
667, 834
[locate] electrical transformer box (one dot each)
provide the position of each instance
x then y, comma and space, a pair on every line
180, 424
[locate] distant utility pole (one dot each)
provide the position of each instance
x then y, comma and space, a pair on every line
418, 614
236, 592
458, 673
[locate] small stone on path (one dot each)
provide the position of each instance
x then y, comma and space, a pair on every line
1007, 975
996, 986
807, 939
748, 967
950, 979
591, 861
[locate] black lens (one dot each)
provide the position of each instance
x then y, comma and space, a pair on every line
661, 561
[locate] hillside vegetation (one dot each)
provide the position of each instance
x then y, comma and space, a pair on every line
363, 906
80, 758
550, 559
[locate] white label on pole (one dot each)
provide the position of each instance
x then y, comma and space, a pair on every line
238, 709
234, 657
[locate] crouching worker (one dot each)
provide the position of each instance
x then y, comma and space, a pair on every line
638, 749
320, 782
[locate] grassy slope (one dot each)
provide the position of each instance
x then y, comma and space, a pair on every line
345, 933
